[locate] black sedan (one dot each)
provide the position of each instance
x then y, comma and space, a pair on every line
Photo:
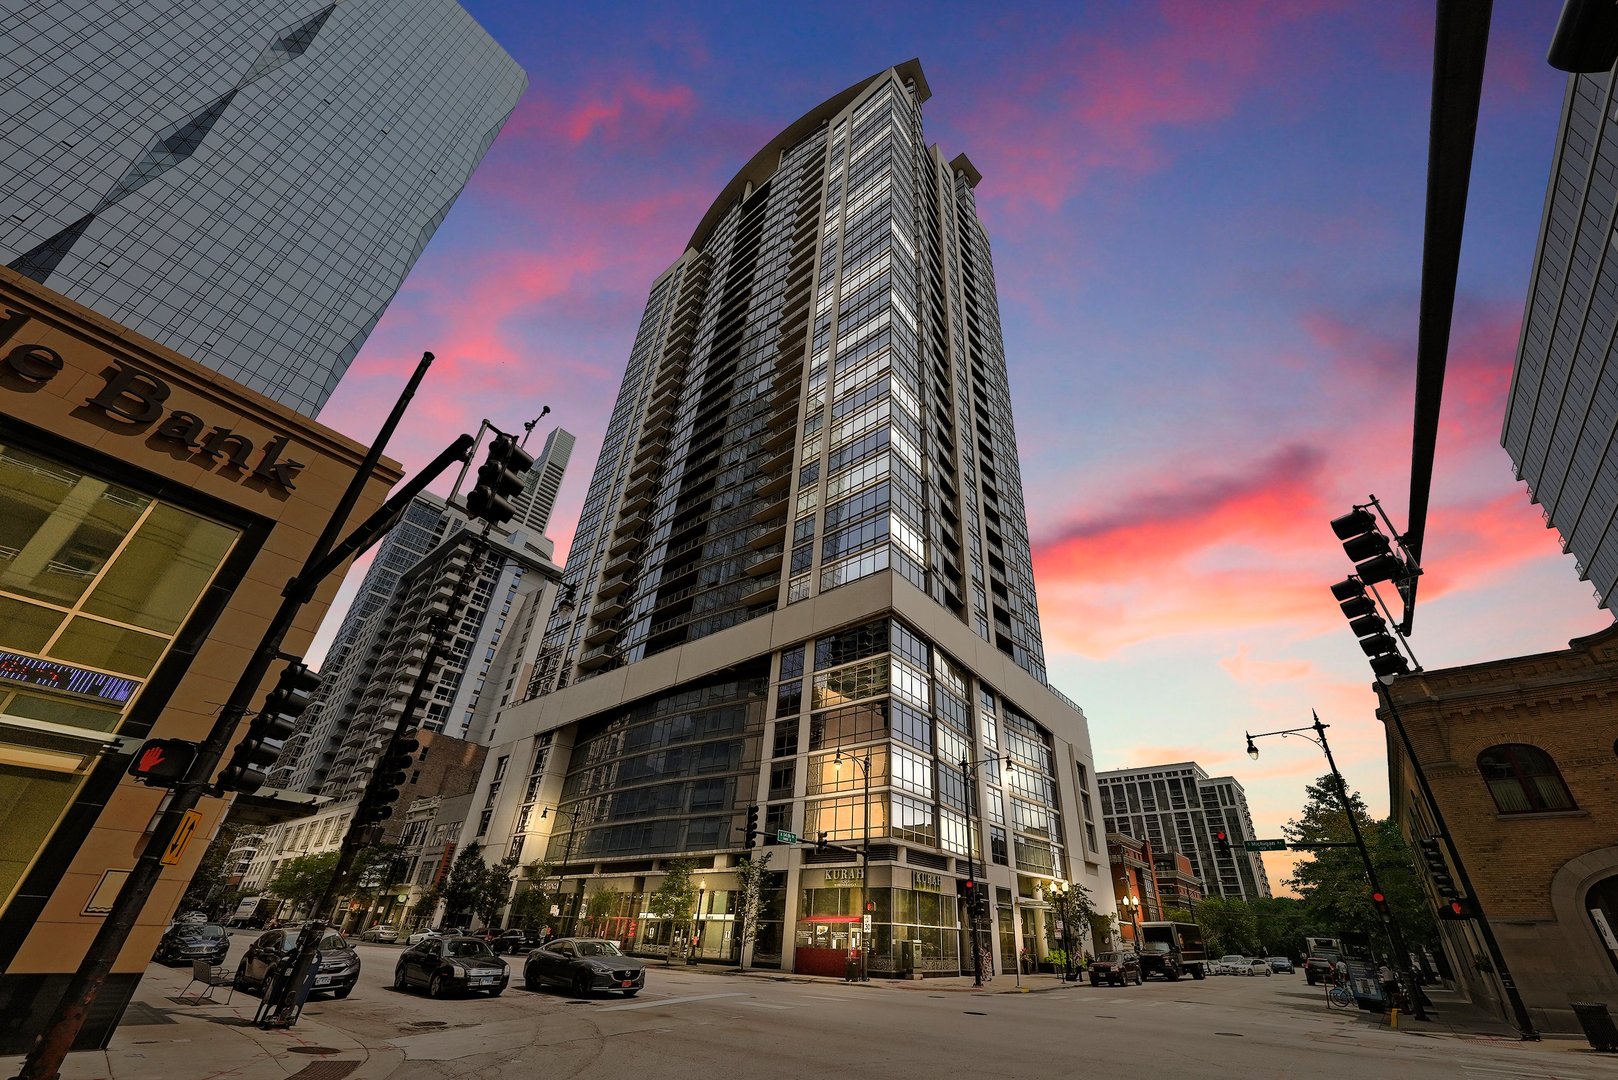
584, 965
515, 941
339, 964
447, 964
185, 942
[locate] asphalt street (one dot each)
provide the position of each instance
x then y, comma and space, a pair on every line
691, 1023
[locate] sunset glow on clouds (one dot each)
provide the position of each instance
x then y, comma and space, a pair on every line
1207, 224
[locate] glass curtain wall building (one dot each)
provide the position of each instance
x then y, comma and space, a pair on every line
801, 581
244, 181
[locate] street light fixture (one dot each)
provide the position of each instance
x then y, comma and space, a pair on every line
567, 854
1061, 893
865, 855
968, 774
696, 923
1390, 926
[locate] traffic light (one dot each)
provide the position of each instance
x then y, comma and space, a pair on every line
1222, 842
1376, 642
1460, 907
276, 719
822, 843
500, 479
1366, 546
1379, 900
391, 773
163, 762
752, 826
1432, 854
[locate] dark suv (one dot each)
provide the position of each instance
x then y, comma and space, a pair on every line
185, 942
1116, 969
1318, 969
339, 965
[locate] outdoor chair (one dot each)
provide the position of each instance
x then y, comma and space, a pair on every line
209, 976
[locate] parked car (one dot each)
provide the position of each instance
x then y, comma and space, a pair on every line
1318, 969
187, 941
1257, 966
192, 917
485, 933
515, 941
584, 965
1115, 969
446, 964
384, 933
434, 931
1280, 965
339, 964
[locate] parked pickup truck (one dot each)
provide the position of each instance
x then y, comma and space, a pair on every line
1172, 949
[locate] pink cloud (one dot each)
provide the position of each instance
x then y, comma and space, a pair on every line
1243, 667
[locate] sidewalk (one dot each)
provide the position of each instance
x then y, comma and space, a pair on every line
163, 1037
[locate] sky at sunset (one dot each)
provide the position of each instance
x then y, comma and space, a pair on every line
1206, 222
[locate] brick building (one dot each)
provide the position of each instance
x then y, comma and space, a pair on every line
1521, 758
1134, 883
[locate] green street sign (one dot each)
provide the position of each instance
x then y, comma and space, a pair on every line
784, 837
1264, 845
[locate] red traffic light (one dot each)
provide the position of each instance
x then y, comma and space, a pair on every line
1378, 898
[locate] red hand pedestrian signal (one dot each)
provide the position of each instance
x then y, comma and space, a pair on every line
163, 762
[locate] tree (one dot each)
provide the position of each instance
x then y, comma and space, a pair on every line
599, 906
427, 906
532, 904
493, 890
1332, 886
673, 897
750, 875
210, 890
464, 885
1228, 926
301, 881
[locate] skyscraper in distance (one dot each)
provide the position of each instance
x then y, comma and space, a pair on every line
800, 600
244, 181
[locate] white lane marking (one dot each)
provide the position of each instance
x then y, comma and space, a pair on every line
765, 1005
667, 1001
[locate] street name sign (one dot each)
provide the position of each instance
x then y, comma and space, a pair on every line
1264, 845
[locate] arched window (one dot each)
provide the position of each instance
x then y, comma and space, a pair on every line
1523, 779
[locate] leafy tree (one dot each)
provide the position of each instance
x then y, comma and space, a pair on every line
493, 890
1228, 926
750, 875
1335, 894
210, 890
463, 886
302, 881
674, 896
532, 904
427, 906
599, 906
1177, 914
1282, 923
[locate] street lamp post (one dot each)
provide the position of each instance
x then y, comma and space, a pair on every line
1131, 904
567, 854
1390, 926
696, 922
1062, 894
968, 776
865, 856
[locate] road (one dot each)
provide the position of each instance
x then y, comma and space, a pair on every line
687, 1024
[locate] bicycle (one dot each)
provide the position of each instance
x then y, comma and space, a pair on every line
1338, 997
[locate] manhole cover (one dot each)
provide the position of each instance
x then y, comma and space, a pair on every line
318, 1051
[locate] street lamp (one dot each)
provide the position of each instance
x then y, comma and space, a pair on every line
1131, 904
968, 775
696, 923
1062, 894
1389, 925
865, 854
567, 853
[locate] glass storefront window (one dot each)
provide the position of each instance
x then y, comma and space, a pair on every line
95, 581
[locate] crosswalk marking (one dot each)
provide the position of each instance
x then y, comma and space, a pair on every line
656, 1003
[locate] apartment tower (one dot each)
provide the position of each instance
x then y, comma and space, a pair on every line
801, 587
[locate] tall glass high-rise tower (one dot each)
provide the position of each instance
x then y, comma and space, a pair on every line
244, 181
801, 583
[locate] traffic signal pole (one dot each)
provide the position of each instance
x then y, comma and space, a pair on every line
1519, 1010
50, 1049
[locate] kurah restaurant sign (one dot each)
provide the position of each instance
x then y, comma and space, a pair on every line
134, 399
